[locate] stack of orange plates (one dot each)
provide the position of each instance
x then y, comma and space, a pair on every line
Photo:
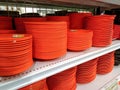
86, 72
40, 85
79, 39
77, 20
59, 18
49, 39
15, 53
105, 63
102, 26
19, 23
7, 31
65, 80
116, 32
5, 22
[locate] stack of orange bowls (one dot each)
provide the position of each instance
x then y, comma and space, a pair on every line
59, 18
79, 39
65, 80
105, 63
5, 22
102, 26
40, 85
49, 39
116, 31
86, 72
7, 31
15, 53
19, 23
77, 20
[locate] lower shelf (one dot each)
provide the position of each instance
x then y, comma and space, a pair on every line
41, 70
101, 81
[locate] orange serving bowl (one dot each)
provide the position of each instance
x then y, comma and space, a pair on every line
77, 20
5, 23
40, 85
105, 63
86, 72
7, 31
65, 80
15, 53
79, 39
49, 39
102, 26
19, 23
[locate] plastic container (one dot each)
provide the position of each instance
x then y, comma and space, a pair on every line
7, 31
15, 53
65, 80
105, 63
116, 32
49, 39
59, 18
5, 23
102, 26
40, 85
77, 20
19, 23
79, 39
86, 72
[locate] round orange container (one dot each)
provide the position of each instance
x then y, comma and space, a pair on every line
65, 80
116, 32
77, 20
102, 26
19, 23
15, 53
7, 31
105, 63
79, 39
86, 72
49, 39
5, 23
59, 18
40, 85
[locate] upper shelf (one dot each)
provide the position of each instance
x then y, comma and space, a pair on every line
94, 3
73, 3
115, 2
41, 70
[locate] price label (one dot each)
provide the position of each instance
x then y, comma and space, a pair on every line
18, 35
113, 85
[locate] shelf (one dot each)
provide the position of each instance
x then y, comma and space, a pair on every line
94, 3
41, 70
70, 3
115, 2
101, 81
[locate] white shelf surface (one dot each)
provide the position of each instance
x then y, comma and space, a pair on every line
101, 80
41, 70
115, 2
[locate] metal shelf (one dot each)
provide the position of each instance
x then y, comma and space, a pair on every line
71, 3
115, 2
101, 81
41, 70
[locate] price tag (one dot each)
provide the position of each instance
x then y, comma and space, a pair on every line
113, 85
72, 30
18, 35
